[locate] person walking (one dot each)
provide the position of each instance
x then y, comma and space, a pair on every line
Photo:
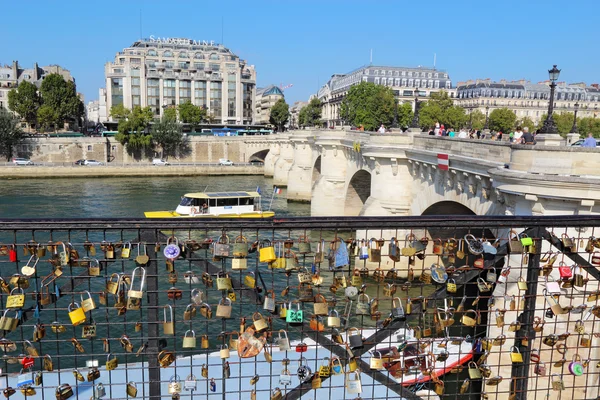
589, 141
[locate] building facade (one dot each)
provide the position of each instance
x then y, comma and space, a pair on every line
265, 99
528, 99
12, 75
95, 111
294, 122
405, 82
165, 72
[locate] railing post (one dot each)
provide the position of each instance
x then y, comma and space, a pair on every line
149, 237
520, 371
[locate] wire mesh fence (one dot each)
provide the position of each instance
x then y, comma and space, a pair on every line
371, 308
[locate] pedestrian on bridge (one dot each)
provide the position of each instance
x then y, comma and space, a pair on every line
589, 141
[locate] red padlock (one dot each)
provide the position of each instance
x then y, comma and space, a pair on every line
301, 347
27, 362
12, 254
565, 271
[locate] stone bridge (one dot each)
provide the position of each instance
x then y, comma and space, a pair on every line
353, 173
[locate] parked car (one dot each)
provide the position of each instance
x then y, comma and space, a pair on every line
93, 162
159, 161
80, 162
579, 142
224, 161
22, 161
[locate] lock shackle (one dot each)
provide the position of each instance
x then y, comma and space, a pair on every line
127, 245
71, 308
362, 296
333, 311
165, 313
197, 293
187, 308
284, 334
376, 351
562, 348
399, 303
193, 333
142, 278
143, 246
554, 301
226, 299
107, 356
88, 293
514, 349
174, 378
20, 289
174, 239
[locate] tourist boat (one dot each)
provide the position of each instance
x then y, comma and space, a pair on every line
216, 205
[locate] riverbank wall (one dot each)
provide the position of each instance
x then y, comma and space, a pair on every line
109, 171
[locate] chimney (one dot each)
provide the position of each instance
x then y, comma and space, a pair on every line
15, 70
36, 74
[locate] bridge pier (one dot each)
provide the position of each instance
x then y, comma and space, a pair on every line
300, 174
283, 164
272, 156
329, 191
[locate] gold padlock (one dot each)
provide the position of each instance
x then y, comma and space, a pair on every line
88, 303
467, 320
16, 300
189, 342
111, 363
165, 358
76, 314
376, 362
112, 286
259, 322
515, 355
204, 342
168, 324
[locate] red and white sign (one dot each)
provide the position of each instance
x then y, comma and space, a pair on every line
443, 162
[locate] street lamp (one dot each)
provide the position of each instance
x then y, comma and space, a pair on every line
486, 126
415, 121
549, 124
574, 128
395, 121
470, 118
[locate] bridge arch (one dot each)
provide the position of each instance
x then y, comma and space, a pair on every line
448, 208
259, 156
316, 172
357, 193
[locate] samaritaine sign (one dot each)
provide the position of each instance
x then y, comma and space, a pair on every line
168, 40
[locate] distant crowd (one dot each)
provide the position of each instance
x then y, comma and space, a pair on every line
519, 136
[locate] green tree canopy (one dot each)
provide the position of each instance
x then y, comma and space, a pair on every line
369, 105
280, 112
170, 113
310, 115
502, 120
25, 101
589, 124
477, 119
62, 97
167, 134
47, 117
10, 133
132, 126
405, 115
191, 114
440, 108
563, 121
527, 122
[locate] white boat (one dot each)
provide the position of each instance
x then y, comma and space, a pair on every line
115, 381
216, 205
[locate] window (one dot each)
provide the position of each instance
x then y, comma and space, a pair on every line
168, 53
199, 65
135, 60
113, 147
182, 64
214, 56
135, 90
200, 93
377, 80
135, 72
118, 70
215, 67
199, 56
403, 73
183, 54
135, 81
152, 53
215, 99
89, 148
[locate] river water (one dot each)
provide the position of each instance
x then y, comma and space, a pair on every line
123, 197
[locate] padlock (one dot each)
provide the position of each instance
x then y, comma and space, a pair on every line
515, 355
239, 263
224, 352
282, 341
111, 363
325, 368
76, 314
174, 385
189, 342
376, 362
540, 369
353, 383
269, 302
320, 306
98, 391
397, 309
112, 286
474, 372
557, 382
266, 251
554, 305
204, 371
172, 249
550, 340
354, 338
303, 245
259, 322
483, 286
16, 299
168, 324
585, 340
204, 343
224, 308
303, 372
223, 281
362, 304
276, 394
333, 319
467, 319
206, 310
190, 382
575, 366
294, 317
439, 388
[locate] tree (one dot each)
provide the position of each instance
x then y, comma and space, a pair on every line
455, 117
587, 125
369, 105
477, 119
25, 101
440, 108
310, 115
405, 114
527, 122
170, 113
167, 134
132, 126
10, 133
280, 112
191, 114
62, 97
502, 120
47, 117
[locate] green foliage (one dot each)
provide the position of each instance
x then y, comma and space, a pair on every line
167, 133
310, 115
62, 97
47, 117
405, 114
369, 105
527, 122
589, 124
280, 113
132, 125
170, 114
563, 121
25, 101
10, 133
440, 108
191, 114
477, 119
502, 120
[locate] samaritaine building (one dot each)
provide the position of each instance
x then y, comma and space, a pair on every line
165, 72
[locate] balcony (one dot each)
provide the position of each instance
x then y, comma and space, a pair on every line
152, 74
169, 74
184, 75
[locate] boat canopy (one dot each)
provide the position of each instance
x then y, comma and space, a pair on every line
221, 195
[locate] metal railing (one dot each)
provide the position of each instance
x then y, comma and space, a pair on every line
425, 309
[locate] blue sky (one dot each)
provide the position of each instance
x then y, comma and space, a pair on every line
304, 42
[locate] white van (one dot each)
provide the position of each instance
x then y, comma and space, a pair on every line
224, 161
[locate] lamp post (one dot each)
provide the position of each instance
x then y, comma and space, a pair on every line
470, 118
395, 120
414, 125
549, 124
574, 128
486, 126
